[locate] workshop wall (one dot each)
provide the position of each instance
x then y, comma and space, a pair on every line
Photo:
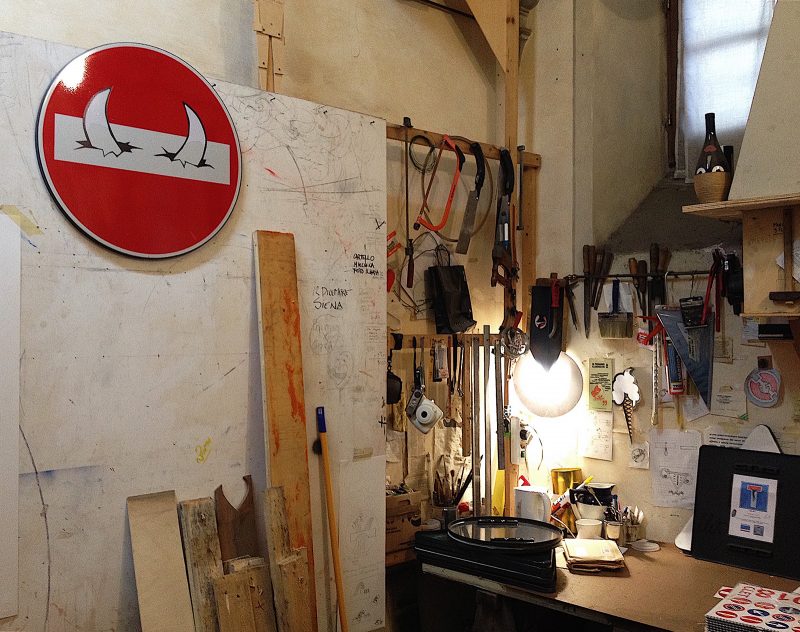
620, 144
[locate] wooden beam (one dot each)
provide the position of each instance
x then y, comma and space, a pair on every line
283, 394
492, 152
203, 560
511, 127
527, 236
493, 26
161, 584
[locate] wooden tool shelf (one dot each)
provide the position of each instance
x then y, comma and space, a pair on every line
763, 240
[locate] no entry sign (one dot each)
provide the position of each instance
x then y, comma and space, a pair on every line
138, 150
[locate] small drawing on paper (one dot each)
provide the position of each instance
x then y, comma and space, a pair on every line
679, 480
673, 471
595, 440
640, 456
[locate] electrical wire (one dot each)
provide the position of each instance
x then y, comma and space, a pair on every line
566, 528
415, 307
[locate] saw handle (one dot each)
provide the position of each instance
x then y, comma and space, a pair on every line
480, 166
506, 172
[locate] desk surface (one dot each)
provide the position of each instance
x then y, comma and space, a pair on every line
665, 590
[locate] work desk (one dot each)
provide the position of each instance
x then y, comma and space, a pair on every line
664, 590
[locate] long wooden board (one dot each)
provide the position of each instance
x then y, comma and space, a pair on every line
161, 584
293, 594
282, 391
203, 562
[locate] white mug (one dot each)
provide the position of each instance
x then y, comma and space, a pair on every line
589, 529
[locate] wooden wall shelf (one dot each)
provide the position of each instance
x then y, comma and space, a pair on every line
763, 240
732, 210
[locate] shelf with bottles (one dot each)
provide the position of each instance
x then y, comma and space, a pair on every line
764, 243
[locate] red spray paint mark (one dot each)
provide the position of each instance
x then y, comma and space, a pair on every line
271, 172
297, 405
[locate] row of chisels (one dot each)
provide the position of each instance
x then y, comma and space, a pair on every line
648, 281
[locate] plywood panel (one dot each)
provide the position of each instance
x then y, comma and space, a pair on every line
164, 603
770, 152
139, 374
9, 411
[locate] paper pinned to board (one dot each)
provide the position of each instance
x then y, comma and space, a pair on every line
673, 466
594, 438
728, 398
795, 260
598, 384
361, 538
640, 456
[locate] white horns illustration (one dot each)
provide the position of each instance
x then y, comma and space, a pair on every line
98, 130
193, 150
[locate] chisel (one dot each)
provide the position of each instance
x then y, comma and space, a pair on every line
468, 224
588, 264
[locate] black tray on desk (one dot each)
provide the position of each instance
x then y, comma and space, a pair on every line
532, 572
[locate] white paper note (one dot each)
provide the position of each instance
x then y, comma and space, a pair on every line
795, 259
640, 456
673, 466
594, 439
362, 527
728, 398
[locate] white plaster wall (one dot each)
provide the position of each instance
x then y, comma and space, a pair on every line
215, 36
620, 108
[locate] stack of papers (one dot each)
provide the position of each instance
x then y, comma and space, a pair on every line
592, 555
748, 607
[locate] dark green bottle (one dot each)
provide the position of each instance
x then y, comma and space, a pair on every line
712, 158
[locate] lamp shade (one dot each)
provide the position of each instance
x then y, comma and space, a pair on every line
548, 393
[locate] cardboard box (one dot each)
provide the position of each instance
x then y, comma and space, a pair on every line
403, 520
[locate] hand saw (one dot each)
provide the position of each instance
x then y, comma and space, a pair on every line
468, 225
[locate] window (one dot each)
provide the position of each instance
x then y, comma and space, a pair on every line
719, 55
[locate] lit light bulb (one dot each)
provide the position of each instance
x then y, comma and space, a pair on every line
548, 393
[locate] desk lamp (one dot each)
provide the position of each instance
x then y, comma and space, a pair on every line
548, 392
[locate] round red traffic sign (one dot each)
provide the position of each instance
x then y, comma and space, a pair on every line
138, 150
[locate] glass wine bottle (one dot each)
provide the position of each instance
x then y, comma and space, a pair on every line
712, 158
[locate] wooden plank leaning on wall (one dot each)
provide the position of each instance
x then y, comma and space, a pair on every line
161, 583
285, 415
203, 560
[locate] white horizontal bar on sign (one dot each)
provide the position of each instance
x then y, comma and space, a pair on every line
148, 155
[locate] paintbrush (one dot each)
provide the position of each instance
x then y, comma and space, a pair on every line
615, 324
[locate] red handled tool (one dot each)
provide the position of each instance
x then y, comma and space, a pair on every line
421, 220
